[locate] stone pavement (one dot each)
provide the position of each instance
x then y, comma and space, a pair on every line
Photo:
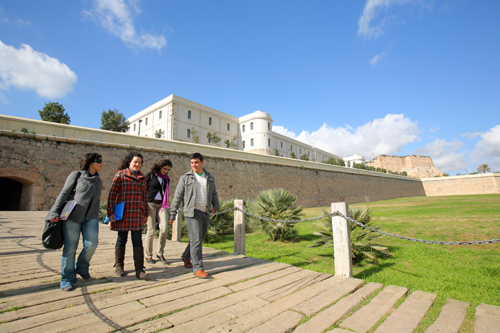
244, 294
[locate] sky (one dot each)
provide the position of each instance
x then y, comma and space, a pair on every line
368, 77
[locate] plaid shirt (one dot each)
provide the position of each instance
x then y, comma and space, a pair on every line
133, 191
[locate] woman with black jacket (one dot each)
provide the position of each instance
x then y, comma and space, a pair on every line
158, 186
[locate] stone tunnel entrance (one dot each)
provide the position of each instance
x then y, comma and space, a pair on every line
15, 195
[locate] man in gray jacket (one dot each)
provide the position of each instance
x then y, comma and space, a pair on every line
196, 190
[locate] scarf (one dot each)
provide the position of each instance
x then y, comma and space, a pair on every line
166, 178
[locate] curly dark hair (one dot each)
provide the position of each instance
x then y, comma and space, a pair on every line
88, 159
126, 161
157, 166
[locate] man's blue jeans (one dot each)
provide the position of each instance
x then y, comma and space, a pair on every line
90, 234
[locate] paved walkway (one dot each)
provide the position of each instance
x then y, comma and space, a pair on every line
244, 294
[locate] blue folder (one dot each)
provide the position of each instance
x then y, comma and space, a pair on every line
118, 212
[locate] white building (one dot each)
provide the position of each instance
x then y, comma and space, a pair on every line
356, 158
175, 118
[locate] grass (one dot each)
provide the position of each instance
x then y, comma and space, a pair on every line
469, 273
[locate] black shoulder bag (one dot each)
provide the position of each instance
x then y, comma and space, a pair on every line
53, 236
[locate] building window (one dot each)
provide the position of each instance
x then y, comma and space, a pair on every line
300, 151
282, 145
251, 142
189, 114
160, 114
189, 133
146, 121
251, 126
243, 128
210, 120
291, 147
268, 126
228, 126
209, 140
269, 142
243, 144
134, 127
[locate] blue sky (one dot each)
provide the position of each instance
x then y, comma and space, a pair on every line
395, 77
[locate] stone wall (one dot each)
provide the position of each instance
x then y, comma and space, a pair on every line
41, 162
461, 185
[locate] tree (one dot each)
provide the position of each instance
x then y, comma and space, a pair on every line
276, 152
194, 135
114, 120
277, 204
231, 143
160, 134
213, 138
483, 168
331, 161
304, 157
292, 155
54, 112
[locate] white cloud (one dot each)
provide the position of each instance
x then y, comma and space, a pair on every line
25, 68
488, 148
447, 156
284, 131
381, 136
378, 58
370, 13
117, 16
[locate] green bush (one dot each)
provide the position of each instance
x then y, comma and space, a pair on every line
277, 204
362, 246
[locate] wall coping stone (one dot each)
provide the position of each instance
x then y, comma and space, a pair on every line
10, 126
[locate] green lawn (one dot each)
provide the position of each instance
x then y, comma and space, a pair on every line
468, 273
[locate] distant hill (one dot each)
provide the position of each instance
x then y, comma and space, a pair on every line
415, 166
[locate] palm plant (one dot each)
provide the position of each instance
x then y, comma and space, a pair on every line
277, 204
483, 168
221, 224
361, 238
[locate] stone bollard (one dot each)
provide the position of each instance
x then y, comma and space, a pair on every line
341, 241
239, 227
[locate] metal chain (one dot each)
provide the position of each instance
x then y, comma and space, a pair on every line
337, 213
419, 240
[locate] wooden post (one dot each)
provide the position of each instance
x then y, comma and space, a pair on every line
239, 228
176, 227
341, 241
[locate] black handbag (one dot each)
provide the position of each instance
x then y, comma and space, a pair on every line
53, 236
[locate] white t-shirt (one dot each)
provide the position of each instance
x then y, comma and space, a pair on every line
200, 201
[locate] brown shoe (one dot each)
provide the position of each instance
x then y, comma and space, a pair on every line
187, 263
201, 274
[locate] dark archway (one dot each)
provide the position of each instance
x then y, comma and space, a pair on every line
10, 194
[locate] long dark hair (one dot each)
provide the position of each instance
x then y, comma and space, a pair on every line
157, 167
130, 156
88, 159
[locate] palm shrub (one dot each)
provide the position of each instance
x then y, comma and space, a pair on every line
103, 211
362, 245
277, 204
221, 224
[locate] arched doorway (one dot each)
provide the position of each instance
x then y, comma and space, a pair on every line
10, 195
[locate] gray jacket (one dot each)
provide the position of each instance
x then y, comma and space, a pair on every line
87, 197
186, 193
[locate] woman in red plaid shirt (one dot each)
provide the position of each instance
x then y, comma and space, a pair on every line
129, 186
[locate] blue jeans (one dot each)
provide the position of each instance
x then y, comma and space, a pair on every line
90, 234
